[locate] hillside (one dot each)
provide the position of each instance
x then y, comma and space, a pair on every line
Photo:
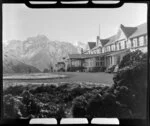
38, 51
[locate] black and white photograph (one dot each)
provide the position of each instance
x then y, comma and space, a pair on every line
74, 62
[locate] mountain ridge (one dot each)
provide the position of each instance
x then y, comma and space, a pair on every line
37, 51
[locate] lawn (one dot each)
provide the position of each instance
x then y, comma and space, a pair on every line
54, 78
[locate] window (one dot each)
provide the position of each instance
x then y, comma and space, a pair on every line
145, 42
91, 63
141, 41
122, 45
135, 42
97, 58
102, 50
119, 45
125, 43
128, 43
108, 48
113, 47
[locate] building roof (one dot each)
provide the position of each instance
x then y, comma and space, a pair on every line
112, 39
83, 56
141, 29
91, 44
104, 41
128, 31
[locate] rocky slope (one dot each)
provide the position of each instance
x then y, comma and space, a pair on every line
37, 52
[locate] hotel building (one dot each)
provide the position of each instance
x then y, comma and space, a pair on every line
110, 51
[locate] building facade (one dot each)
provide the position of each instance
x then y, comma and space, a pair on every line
110, 51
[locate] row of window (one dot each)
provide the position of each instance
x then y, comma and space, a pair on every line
123, 44
99, 58
140, 41
99, 64
76, 63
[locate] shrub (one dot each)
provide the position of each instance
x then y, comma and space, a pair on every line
79, 107
74, 69
14, 90
133, 58
31, 103
13, 107
45, 70
44, 88
52, 110
61, 70
131, 82
111, 69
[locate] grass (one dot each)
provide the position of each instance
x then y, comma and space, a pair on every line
32, 76
54, 78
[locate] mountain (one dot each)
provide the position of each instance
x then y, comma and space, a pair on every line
38, 52
12, 65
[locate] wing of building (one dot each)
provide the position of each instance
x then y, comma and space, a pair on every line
105, 53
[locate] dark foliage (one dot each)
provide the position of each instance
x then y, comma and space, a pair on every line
45, 70
74, 69
111, 69
125, 99
61, 70
131, 82
14, 90
133, 59
98, 69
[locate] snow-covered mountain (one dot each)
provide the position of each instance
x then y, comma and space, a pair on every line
38, 51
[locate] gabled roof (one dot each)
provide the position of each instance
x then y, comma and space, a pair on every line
112, 39
83, 56
128, 31
91, 44
104, 41
141, 29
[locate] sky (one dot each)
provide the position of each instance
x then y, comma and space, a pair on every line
70, 25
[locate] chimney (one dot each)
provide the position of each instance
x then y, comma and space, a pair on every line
98, 39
